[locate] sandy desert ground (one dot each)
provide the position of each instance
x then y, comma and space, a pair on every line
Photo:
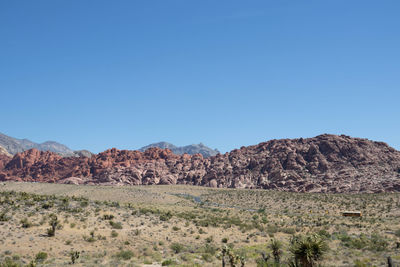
188, 226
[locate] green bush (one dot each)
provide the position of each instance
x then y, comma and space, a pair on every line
124, 254
116, 225
289, 231
8, 262
25, 223
41, 257
4, 217
114, 233
177, 248
168, 262
166, 216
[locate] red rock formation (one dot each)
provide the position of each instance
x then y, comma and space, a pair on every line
326, 163
3, 161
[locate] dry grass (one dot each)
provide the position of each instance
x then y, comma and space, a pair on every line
139, 226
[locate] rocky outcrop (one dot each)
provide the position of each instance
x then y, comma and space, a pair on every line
326, 163
3, 161
83, 153
3, 151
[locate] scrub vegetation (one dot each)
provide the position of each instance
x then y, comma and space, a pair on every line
63, 225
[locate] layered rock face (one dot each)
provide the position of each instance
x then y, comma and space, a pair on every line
326, 163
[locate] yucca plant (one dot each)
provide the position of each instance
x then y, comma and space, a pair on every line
276, 246
307, 250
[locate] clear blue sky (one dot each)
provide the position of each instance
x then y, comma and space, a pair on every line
100, 74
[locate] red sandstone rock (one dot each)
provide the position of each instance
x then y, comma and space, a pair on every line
326, 163
4, 159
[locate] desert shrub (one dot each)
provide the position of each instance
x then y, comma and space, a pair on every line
116, 225
176, 228
324, 233
47, 205
288, 230
177, 247
209, 239
210, 249
358, 263
25, 223
165, 216
207, 257
374, 242
89, 239
84, 203
261, 262
3, 216
124, 254
16, 257
377, 243
272, 229
8, 262
168, 262
397, 233
114, 233
108, 217
41, 257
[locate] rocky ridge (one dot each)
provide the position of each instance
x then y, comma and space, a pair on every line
326, 163
14, 145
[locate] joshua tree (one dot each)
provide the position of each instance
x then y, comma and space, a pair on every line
223, 253
307, 250
74, 256
233, 259
53, 223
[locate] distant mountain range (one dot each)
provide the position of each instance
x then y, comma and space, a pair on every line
190, 149
13, 146
10, 145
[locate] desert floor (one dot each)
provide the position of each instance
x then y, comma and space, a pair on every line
187, 226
